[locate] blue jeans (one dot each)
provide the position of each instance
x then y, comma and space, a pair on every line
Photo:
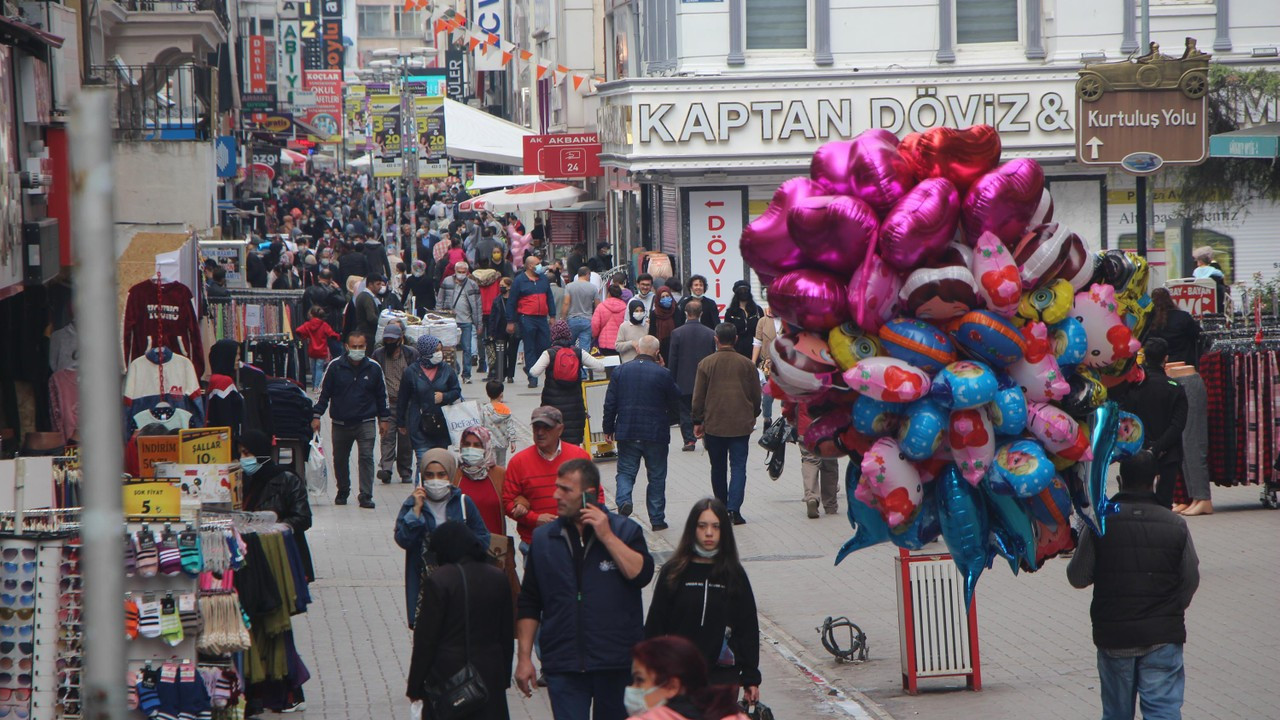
766, 402
655, 463
464, 342
728, 457
580, 328
536, 335
317, 371
1156, 679
572, 694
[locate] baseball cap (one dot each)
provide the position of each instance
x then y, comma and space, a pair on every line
548, 416
393, 331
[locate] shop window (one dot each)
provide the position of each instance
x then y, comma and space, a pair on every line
267, 26
375, 21
986, 21
777, 24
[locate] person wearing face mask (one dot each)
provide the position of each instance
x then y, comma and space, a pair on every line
697, 291
608, 319
460, 294
503, 368
662, 320
270, 487
433, 502
394, 357
530, 304
420, 288
353, 392
669, 681
368, 305
744, 313
703, 594
425, 387
632, 330
480, 477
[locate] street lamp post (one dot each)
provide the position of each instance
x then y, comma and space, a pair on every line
400, 64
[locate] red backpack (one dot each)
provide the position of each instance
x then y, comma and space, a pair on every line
565, 366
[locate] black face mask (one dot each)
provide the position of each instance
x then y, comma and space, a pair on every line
391, 345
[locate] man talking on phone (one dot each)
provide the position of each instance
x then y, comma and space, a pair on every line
582, 586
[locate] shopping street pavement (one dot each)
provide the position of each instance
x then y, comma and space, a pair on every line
1037, 657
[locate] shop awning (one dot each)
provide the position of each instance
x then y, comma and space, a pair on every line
29, 38
493, 182
584, 206
472, 134
1259, 141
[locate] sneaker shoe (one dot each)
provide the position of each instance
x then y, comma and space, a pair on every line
689, 447
736, 518
659, 526
296, 707
625, 509
466, 379
385, 476
811, 507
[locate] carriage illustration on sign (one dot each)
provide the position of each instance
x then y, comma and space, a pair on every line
1153, 71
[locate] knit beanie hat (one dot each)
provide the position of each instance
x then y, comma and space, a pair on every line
560, 334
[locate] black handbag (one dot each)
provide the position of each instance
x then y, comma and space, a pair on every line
463, 695
756, 711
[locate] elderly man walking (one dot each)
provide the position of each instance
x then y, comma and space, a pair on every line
726, 402
460, 294
639, 406
690, 343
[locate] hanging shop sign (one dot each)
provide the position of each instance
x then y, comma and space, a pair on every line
289, 60
428, 81
388, 158
312, 42
149, 500
490, 18
714, 220
203, 446
1197, 297
355, 110
226, 156
433, 156
455, 65
326, 116
257, 80
567, 155
1140, 115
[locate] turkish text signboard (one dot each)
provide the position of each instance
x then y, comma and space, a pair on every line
567, 155
257, 63
289, 62
716, 218
1142, 130
326, 115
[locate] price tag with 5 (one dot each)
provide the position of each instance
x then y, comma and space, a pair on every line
152, 500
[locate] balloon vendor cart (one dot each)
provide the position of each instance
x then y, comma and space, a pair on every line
937, 637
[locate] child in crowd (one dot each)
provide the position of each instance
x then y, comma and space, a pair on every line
317, 333
497, 420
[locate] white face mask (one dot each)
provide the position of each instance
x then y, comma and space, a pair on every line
419, 273
437, 489
705, 553
637, 317
437, 357
633, 699
471, 455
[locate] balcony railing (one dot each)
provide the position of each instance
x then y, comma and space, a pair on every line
161, 102
218, 7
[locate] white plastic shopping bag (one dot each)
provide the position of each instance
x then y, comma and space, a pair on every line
460, 416
317, 474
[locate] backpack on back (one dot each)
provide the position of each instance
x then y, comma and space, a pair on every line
565, 366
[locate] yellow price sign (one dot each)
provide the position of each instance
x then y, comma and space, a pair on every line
152, 500
205, 446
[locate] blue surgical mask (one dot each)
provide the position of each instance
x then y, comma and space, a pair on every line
665, 301
633, 700
705, 553
356, 355
250, 464
540, 270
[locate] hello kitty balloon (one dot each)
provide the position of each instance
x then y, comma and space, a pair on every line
1109, 338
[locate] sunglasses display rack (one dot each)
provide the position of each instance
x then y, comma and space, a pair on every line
40, 601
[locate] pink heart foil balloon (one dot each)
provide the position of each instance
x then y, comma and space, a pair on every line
878, 174
766, 245
961, 156
809, 298
920, 225
1003, 201
830, 166
873, 293
833, 231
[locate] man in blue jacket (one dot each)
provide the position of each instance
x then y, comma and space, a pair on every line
354, 393
582, 586
529, 305
639, 407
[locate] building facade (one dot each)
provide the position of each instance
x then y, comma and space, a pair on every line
733, 97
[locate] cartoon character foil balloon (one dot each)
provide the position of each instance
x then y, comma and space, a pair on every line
1051, 513
1003, 201
833, 231
876, 418
1042, 252
920, 225
972, 441
849, 344
1109, 338
888, 379
1048, 304
869, 527
918, 343
1058, 432
810, 299
999, 283
766, 243
1037, 372
1009, 411
1070, 342
924, 528
962, 512
1086, 393
942, 290
961, 156
964, 384
1021, 468
872, 293
798, 374
831, 435
890, 483
990, 338
921, 432
1012, 529
1129, 436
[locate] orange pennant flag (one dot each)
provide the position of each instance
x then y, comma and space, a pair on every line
542, 70
599, 79
460, 18
577, 81
492, 39
409, 5
472, 43
526, 55
562, 69
506, 57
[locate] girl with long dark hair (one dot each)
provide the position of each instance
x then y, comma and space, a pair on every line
704, 595
1176, 326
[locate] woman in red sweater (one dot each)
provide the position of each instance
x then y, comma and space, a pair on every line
480, 477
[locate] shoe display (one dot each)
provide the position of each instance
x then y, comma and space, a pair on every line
625, 509
811, 507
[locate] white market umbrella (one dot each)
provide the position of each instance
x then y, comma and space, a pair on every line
291, 157
534, 196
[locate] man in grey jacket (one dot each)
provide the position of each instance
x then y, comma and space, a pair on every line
460, 294
394, 356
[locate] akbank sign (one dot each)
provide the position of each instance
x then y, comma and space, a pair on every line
730, 118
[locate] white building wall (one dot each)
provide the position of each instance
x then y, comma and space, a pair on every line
165, 183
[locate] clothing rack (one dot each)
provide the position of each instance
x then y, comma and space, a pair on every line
1242, 376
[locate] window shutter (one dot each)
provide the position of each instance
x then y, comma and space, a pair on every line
777, 24
986, 21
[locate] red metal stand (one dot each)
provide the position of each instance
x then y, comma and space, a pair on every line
933, 641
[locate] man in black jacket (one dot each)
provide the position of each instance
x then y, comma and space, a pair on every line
354, 393
1161, 404
1144, 571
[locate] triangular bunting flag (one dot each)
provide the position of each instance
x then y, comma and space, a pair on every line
492, 39
472, 43
462, 20
409, 5
506, 57
525, 55
562, 69
577, 81
542, 70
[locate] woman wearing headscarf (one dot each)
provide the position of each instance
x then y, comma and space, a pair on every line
632, 330
467, 617
434, 501
425, 387
662, 319
744, 313
270, 487
480, 477
563, 389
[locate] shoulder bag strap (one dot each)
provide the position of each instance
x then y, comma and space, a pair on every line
466, 616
